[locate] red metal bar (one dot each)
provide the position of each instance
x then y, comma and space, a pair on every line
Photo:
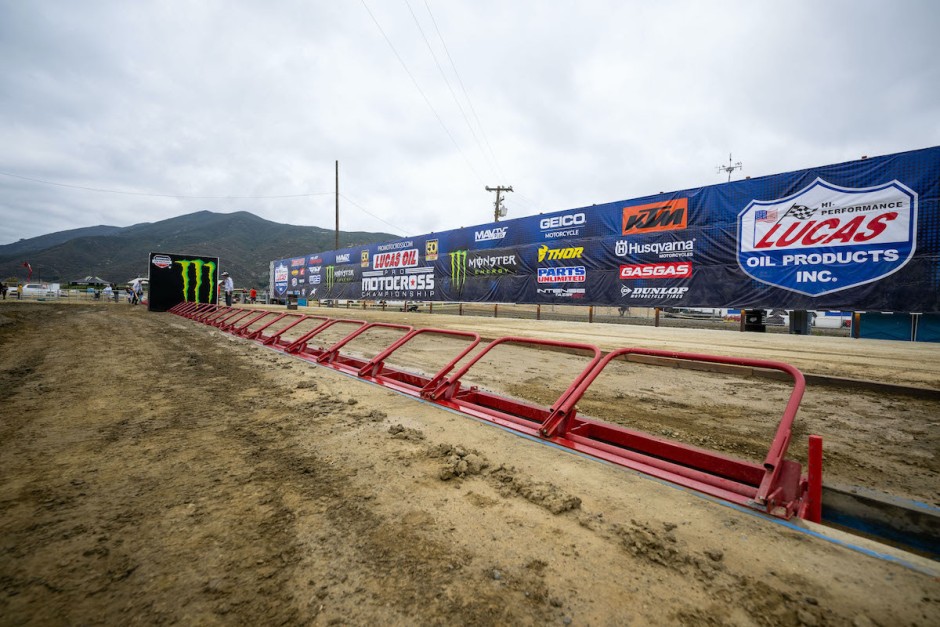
200, 309
770, 489
243, 324
450, 386
212, 312
376, 368
814, 480
332, 353
180, 305
183, 307
233, 313
276, 339
269, 338
301, 346
251, 335
232, 321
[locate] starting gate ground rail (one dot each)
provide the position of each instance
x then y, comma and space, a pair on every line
239, 328
301, 346
503, 410
276, 339
290, 320
770, 486
229, 323
774, 486
220, 321
332, 356
251, 335
376, 369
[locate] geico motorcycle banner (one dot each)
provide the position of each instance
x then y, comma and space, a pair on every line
176, 278
862, 235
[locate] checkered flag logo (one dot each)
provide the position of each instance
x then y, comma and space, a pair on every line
800, 212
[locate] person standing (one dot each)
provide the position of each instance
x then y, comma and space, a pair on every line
252, 295
228, 286
137, 291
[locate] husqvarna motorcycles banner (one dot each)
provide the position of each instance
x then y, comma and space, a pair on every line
862, 235
176, 278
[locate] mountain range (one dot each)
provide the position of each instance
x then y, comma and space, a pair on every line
244, 243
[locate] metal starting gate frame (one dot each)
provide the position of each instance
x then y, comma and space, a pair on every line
775, 486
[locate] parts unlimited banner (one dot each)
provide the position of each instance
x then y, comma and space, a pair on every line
176, 278
862, 235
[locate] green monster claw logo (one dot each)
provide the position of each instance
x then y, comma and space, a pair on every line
197, 265
330, 277
458, 268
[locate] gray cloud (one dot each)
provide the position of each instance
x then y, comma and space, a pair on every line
581, 103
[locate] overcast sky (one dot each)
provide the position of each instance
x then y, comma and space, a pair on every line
424, 103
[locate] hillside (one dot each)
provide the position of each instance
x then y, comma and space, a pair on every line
244, 243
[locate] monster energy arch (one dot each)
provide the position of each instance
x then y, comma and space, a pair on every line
177, 278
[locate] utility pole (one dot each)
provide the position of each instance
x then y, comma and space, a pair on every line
731, 167
336, 247
498, 209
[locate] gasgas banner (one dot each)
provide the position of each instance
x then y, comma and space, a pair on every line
176, 278
862, 235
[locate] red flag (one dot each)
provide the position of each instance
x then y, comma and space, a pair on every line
29, 271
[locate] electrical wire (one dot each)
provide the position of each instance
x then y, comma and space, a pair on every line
464, 90
153, 195
453, 94
366, 211
421, 91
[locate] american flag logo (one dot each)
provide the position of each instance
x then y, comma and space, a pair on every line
766, 215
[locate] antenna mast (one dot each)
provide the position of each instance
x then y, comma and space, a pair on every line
731, 167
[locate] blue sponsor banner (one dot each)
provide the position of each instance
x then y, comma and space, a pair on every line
863, 235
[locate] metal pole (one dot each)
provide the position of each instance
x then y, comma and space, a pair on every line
336, 247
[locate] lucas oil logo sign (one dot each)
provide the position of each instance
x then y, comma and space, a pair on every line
828, 238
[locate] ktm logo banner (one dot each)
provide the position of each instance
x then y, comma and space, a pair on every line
670, 215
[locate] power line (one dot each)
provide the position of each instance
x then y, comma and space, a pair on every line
366, 211
464, 90
421, 91
153, 195
453, 95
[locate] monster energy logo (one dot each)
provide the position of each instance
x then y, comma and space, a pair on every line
198, 265
330, 277
458, 268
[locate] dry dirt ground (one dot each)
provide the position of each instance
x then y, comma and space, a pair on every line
154, 470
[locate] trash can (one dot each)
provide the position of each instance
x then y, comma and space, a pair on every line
754, 320
800, 322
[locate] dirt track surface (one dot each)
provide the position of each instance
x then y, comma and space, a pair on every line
159, 471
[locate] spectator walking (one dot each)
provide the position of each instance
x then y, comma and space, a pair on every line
228, 286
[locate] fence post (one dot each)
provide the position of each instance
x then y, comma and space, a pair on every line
495, 310
430, 308
538, 312
591, 314
460, 309
656, 317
